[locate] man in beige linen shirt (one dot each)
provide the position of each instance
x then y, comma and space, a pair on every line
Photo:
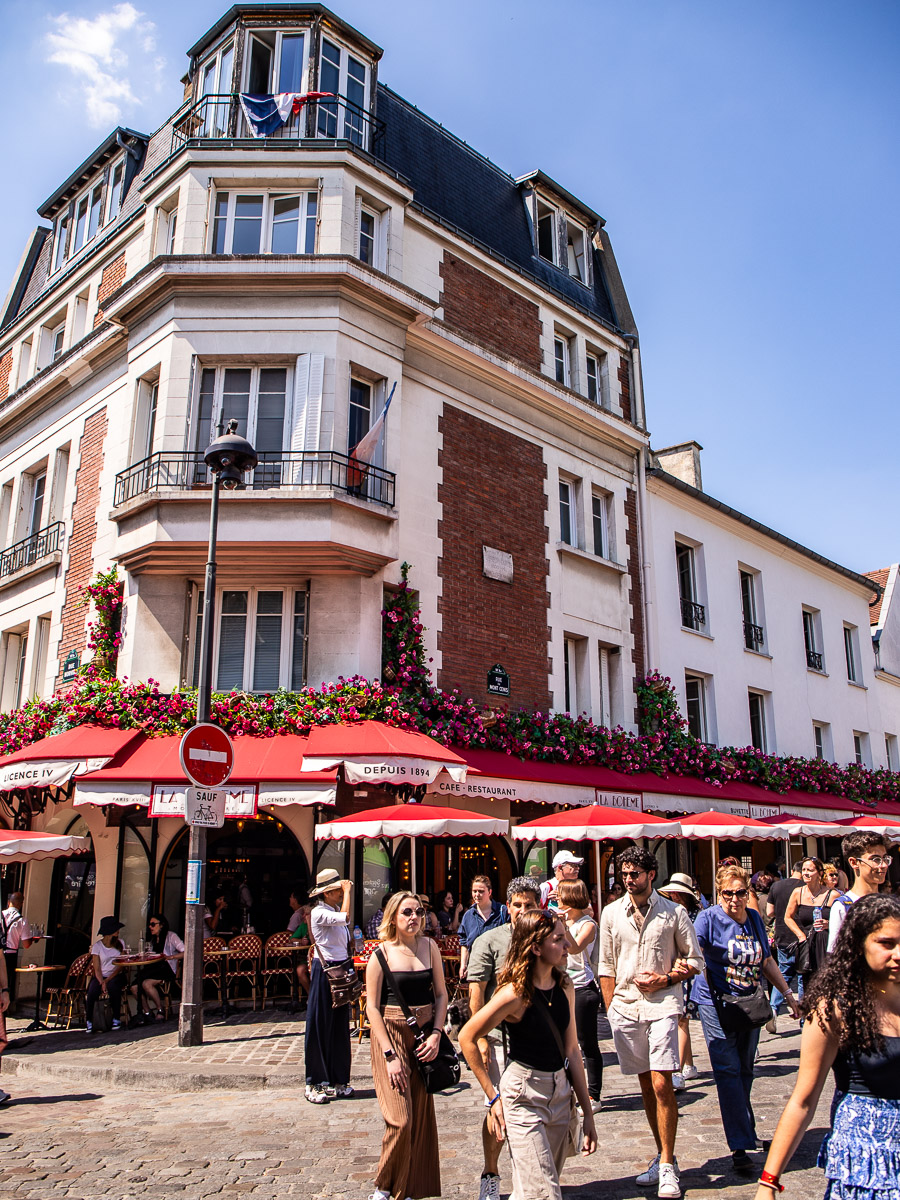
647, 949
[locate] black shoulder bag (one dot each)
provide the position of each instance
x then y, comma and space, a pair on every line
442, 1072
740, 1014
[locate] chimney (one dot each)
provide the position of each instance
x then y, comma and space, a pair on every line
682, 461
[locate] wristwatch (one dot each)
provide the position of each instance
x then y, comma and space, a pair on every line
390, 1054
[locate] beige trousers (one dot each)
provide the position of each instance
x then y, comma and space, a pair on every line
536, 1106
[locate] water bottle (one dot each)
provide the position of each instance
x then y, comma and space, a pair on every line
358, 940
817, 913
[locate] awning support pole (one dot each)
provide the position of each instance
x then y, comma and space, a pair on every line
412, 865
599, 880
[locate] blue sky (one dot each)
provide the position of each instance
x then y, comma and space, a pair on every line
745, 158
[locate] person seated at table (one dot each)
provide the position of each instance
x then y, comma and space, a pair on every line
212, 914
374, 922
108, 978
448, 912
298, 926
146, 989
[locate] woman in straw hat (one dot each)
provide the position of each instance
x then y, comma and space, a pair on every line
680, 888
328, 1029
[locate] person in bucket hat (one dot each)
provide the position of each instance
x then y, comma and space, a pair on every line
327, 1047
109, 978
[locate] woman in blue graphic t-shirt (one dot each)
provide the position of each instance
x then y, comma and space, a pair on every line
736, 949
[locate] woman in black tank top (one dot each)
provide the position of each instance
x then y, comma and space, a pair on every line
410, 1156
853, 1026
534, 1106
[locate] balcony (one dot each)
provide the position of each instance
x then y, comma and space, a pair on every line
754, 636
282, 469
693, 615
221, 118
31, 551
814, 660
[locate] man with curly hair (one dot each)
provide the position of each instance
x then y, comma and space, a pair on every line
648, 947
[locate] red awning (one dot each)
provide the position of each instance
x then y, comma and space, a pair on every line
52, 761
266, 771
372, 752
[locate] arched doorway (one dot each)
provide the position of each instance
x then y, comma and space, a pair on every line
71, 915
450, 864
263, 852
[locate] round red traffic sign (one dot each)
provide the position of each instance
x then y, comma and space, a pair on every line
207, 755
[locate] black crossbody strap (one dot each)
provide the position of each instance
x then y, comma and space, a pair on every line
544, 1009
392, 984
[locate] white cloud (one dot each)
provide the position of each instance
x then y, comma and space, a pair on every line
109, 55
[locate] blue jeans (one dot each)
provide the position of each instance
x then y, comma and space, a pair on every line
787, 966
731, 1056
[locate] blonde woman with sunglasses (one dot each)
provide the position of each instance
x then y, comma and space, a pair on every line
410, 1157
735, 948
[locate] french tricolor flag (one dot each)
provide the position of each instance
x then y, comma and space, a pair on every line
361, 454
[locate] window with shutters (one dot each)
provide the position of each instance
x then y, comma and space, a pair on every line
257, 397
259, 641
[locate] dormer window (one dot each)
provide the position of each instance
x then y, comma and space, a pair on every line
114, 190
87, 217
546, 232
575, 251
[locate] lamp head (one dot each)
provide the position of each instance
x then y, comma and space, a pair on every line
230, 456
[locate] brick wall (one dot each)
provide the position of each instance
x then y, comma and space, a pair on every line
487, 312
492, 494
635, 589
5, 368
625, 386
81, 542
112, 278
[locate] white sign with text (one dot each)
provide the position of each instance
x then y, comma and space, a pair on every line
205, 806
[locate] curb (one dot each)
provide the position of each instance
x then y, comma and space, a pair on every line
169, 1079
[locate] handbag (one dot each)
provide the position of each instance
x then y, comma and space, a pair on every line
443, 1071
575, 1134
344, 981
458, 1010
740, 1014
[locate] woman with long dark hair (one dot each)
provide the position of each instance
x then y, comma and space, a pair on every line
853, 1027
532, 1108
146, 989
808, 912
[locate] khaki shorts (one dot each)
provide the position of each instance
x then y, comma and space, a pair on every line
645, 1045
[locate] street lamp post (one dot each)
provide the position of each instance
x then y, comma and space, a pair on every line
228, 457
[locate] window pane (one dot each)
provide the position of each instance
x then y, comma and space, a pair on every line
598, 505
298, 649
367, 237
546, 232
270, 410
62, 231
248, 212
204, 415
220, 223
290, 65
94, 221
592, 378
329, 81
115, 192
236, 397
80, 223
312, 208
225, 73
198, 635
285, 224
559, 351
360, 411
260, 68
232, 638
693, 689
267, 647
565, 514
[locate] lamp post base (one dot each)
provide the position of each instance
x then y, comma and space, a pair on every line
190, 1025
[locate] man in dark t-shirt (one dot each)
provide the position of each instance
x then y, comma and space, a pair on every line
785, 939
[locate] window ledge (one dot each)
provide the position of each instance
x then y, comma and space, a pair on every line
757, 653
41, 564
887, 676
698, 633
853, 683
813, 671
585, 555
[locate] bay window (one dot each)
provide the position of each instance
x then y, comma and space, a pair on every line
265, 223
259, 639
256, 397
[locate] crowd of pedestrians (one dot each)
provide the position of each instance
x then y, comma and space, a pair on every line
539, 965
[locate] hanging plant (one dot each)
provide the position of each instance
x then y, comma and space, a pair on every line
105, 592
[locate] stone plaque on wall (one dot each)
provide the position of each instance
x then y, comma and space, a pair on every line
497, 564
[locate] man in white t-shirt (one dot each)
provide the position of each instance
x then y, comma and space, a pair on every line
566, 865
866, 855
17, 936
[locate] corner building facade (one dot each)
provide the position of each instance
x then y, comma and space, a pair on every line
295, 281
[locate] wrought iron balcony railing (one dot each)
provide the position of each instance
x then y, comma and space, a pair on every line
214, 118
814, 660
754, 636
693, 615
277, 469
31, 549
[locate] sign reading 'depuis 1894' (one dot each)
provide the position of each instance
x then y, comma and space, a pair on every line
498, 681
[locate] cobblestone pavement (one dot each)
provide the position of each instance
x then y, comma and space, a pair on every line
68, 1137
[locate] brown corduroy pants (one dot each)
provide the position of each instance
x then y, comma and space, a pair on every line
410, 1157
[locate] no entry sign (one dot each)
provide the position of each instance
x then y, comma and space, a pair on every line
207, 755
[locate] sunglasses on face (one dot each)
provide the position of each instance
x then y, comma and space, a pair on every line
412, 912
738, 893
633, 874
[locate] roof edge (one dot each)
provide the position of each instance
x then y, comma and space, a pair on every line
26, 265
542, 179
47, 208
279, 9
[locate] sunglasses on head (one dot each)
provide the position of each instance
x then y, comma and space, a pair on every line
740, 893
412, 912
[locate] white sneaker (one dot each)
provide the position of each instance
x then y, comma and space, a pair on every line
678, 1081
117, 1024
490, 1187
88, 1027
329, 1089
596, 1105
317, 1095
669, 1186
651, 1176
690, 1072
378, 1194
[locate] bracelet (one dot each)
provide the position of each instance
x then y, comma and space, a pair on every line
668, 978
491, 1103
767, 1179
2, 990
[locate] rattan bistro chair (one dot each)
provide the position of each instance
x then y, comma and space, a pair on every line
244, 960
69, 999
212, 971
278, 963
